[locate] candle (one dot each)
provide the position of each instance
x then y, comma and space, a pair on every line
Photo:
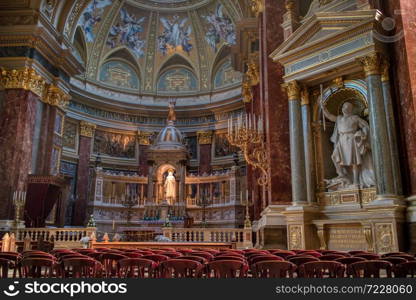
114, 224
247, 196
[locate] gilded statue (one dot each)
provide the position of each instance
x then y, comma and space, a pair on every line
352, 152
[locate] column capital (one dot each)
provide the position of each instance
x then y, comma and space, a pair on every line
293, 90
26, 78
87, 129
144, 137
385, 65
55, 96
205, 137
257, 6
304, 96
371, 63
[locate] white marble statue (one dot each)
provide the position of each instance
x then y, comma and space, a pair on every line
352, 153
170, 187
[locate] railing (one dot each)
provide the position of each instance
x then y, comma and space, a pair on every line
242, 237
62, 237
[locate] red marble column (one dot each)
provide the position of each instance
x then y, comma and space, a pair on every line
275, 104
83, 176
205, 151
403, 68
17, 121
143, 165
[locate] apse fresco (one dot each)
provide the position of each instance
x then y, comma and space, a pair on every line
117, 73
128, 31
114, 144
176, 35
91, 16
179, 79
220, 28
226, 75
222, 146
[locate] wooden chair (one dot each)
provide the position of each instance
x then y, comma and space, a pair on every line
394, 260
331, 257
273, 269
226, 269
199, 259
81, 267
368, 256
298, 261
109, 262
408, 257
257, 259
4, 267
321, 269
206, 255
393, 254
370, 268
309, 252
181, 268
133, 254
172, 254
14, 261
356, 252
235, 258
406, 269
136, 268
346, 261
94, 255
298, 255
284, 254
38, 267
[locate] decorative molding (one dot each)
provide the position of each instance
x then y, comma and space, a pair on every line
371, 64
295, 237
56, 97
26, 79
144, 137
87, 129
204, 137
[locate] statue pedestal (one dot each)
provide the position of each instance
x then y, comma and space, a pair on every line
164, 210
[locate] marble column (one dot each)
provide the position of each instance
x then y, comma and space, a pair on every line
83, 176
380, 147
308, 145
391, 128
144, 144
297, 150
22, 89
205, 151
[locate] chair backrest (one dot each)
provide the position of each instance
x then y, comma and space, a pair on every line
394, 260
349, 260
230, 254
4, 268
331, 257
37, 267
172, 254
235, 258
309, 252
257, 259
355, 252
273, 269
406, 269
408, 257
95, 255
181, 268
207, 256
72, 255
156, 257
136, 267
11, 256
368, 256
370, 268
226, 269
133, 254
199, 259
109, 261
284, 254
81, 267
301, 260
321, 269
393, 254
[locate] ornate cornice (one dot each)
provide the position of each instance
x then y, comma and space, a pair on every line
204, 137
292, 90
87, 129
144, 137
25, 78
56, 97
371, 64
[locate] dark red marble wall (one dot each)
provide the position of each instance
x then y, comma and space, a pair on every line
275, 103
403, 78
17, 122
205, 159
143, 165
81, 201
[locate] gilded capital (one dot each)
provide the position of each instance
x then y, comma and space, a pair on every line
293, 91
253, 73
257, 6
144, 137
87, 129
304, 96
26, 79
56, 97
204, 137
371, 64
385, 70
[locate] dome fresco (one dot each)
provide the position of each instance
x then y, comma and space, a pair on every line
135, 41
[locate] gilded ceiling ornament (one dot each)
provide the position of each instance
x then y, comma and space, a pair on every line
204, 137
144, 137
371, 64
293, 90
56, 97
257, 6
87, 129
26, 79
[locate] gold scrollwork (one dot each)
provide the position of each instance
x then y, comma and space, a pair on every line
371, 64
295, 237
204, 137
384, 237
257, 6
246, 91
144, 137
87, 129
56, 97
293, 90
25, 78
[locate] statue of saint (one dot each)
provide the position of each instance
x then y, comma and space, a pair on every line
170, 187
352, 153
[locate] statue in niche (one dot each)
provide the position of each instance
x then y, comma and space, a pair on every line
170, 187
352, 153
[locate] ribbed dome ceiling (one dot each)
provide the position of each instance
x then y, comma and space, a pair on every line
158, 47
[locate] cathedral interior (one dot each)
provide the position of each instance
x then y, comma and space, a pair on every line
269, 124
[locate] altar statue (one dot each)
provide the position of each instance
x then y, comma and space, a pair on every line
352, 152
170, 187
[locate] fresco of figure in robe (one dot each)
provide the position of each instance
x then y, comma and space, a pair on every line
176, 35
91, 16
221, 28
